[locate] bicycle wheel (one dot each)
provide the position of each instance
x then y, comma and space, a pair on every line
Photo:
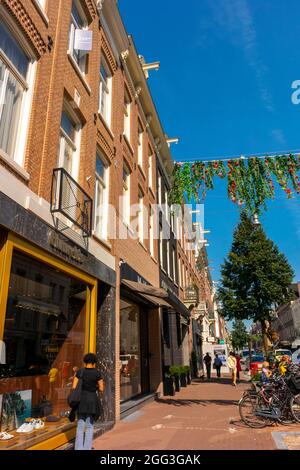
295, 407
248, 407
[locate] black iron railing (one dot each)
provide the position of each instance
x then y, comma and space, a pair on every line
70, 200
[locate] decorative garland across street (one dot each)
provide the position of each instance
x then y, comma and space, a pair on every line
250, 182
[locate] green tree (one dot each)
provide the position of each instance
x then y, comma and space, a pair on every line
255, 277
239, 335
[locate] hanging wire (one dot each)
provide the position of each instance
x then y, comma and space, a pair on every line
280, 153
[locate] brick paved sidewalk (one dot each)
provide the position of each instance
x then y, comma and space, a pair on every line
202, 416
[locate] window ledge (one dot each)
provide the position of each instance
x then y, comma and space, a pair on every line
41, 11
152, 192
102, 240
128, 143
128, 227
153, 259
105, 123
142, 245
79, 73
14, 165
142, 171
163, 270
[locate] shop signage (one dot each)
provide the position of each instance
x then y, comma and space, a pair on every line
64, 248
83, 40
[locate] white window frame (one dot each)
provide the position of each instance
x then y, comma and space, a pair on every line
174, 264
105, 92
127, 115
159, 188
18, 152
126, 195
82, 62
102, 231
151, 232
150, 169
140, 146
179, 272
74, 144
168, 258
141, 217
42, 4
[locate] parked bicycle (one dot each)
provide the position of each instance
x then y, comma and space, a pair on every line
277, 400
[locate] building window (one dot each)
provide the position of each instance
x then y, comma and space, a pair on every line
161, 260
141, 216
126, 195
174, 265
77, 22
14, 72
166, 327
105, 92
101, 197
168, 258
159, 189
179, 272
150, 169
140, 146
67, 145
151, 232
127, 106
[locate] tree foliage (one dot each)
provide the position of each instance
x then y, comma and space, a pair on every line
255, 277
239, 335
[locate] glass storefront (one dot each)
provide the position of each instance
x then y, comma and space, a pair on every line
42, 348
130, 354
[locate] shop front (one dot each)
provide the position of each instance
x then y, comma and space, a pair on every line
47, 323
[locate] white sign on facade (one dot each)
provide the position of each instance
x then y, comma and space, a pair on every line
83, 40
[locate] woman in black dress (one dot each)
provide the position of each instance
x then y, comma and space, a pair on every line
88, 410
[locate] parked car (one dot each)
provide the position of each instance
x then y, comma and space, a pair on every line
278, 353
256, 363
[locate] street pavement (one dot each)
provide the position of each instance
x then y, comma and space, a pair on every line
202, 416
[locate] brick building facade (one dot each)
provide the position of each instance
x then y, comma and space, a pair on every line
82, 267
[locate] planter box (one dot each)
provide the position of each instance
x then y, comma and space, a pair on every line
168, 384
183, 381
177, 383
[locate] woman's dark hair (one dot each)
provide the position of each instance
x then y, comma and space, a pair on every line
90, 358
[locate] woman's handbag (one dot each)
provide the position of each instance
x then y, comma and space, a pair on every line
75, 395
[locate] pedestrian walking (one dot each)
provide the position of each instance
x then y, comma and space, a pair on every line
88, 410
238, 366
217, 365
207, 360
231, 361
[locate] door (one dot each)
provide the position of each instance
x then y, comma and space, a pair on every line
145, 379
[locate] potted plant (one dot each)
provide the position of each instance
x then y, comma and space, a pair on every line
188, 374
175, 372
168, 384
183, 381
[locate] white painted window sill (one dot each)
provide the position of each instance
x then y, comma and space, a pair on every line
128, 143
128, 227
79, 73
102, 240
152, 192
154, 259
14, 165
106, 125
142, 245
142, 171
41, 11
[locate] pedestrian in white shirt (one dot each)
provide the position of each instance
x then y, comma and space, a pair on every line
231, 361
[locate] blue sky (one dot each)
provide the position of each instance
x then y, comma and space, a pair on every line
224, 88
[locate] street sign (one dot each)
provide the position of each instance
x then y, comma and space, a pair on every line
83, 40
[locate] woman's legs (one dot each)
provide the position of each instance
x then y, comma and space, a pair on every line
234, 377
89, 432
79, 434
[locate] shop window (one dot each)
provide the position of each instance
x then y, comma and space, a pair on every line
44, 338
130, 354
166, 327
178, 330
15, 81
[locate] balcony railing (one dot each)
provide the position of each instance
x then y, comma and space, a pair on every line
70, 200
